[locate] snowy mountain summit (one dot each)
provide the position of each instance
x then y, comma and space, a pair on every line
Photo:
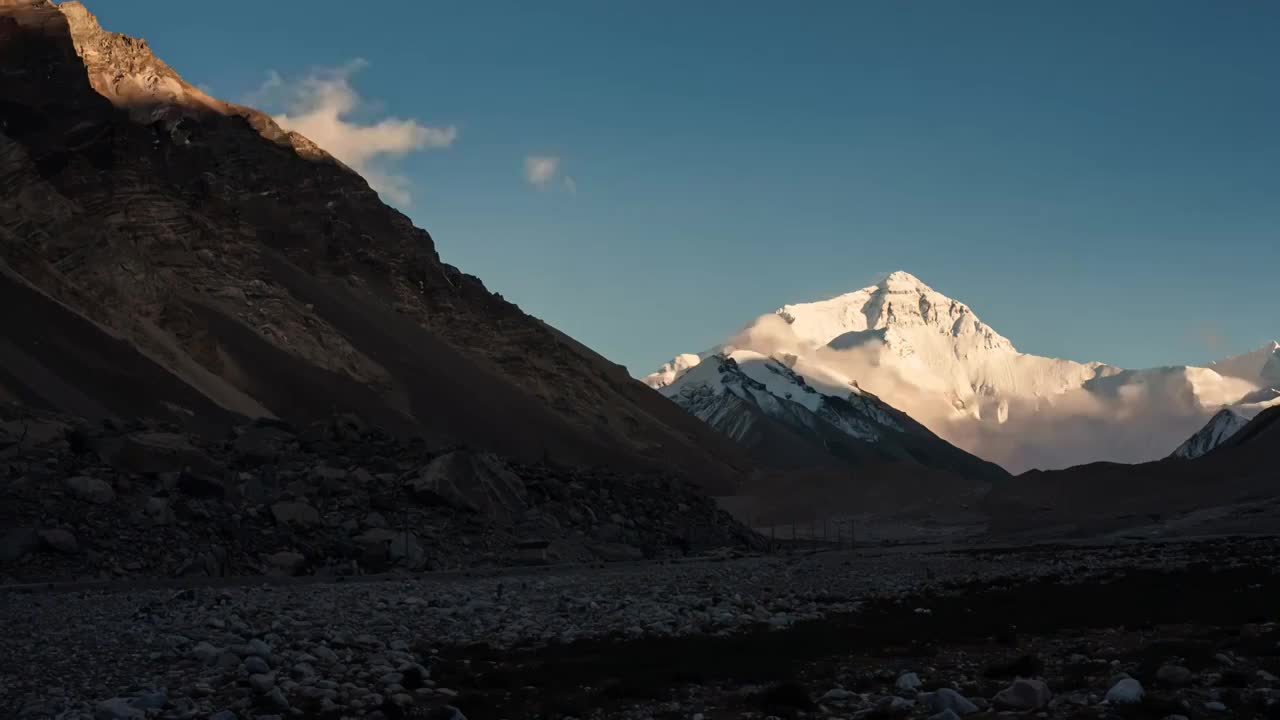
933, 358
898, 305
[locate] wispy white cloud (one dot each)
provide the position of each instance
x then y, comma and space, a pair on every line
544, 173
320, 106
540, 170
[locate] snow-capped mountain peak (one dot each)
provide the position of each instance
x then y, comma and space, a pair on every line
768, 406
1261, 365
899, 302
933, 358
1227, 422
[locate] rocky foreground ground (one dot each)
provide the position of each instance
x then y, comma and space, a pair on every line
1066, 632
110, 500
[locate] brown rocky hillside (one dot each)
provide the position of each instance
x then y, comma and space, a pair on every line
165, 253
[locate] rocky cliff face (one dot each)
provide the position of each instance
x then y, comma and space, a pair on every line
191, 251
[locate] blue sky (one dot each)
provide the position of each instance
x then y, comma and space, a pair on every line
1099, 181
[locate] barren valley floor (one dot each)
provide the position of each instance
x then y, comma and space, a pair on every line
838, 634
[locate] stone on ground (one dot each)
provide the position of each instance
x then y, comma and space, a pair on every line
1024, 695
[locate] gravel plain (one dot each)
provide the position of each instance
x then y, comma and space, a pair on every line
388, 648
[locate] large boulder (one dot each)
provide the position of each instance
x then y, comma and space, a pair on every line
158, 511
285, 562
476, 482
59, 540
1024, 695
616, 552
295, 514
151, 453
200, 485
393, 546
330, 480
945, 699
91, 489
32, 433
1125, 692
263, 443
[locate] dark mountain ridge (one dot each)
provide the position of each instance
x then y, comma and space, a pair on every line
214, 266
1102, 497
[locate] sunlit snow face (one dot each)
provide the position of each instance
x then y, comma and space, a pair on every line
936, 361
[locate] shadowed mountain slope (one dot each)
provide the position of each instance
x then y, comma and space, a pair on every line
221, 266
1104, 496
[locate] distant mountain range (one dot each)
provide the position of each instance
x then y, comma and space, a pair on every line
901, 346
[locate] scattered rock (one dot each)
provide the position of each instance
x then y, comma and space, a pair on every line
91, 489
159, 512
276, 700
206, 652
1024, 695
285, 562
908, 681
295, 514
894, 706
477, 482
616, 552
117, 709
944, 699
395, 546
1173, 675
262, 683
260, 443
836, 695
150, 700
151, 453
1126, 692
60, 540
